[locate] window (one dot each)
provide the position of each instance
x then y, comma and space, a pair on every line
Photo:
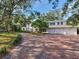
52, 23
57, 23
61, 23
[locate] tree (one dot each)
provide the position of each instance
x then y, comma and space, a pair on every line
40, 25
73, 20
7, 8
71, 7
54, 15
18, 22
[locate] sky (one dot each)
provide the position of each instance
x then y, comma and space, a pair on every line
44, 6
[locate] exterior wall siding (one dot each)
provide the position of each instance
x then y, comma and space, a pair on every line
65, 31
61, 27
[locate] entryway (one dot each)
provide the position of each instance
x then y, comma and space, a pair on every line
78, 31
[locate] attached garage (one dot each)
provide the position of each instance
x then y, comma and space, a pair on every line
65, 31
61, 27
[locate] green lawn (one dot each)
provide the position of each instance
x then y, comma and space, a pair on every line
6, 39
6, 34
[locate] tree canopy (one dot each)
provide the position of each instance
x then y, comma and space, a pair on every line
40, 24
12, 10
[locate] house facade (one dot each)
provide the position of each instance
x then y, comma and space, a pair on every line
61, 27
28, 27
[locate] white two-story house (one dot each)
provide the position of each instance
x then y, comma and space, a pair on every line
61, 27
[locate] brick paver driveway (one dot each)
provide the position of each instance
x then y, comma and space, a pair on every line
46, 47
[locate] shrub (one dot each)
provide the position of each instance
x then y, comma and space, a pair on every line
16, 40
3, 50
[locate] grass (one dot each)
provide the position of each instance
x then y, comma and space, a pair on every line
8, 34
7, 41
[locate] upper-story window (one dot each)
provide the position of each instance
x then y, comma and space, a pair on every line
52, 23
58, 23
61, 23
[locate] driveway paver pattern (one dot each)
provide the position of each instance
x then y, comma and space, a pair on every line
46, 47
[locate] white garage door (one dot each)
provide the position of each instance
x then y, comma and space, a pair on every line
56, 31
67, 31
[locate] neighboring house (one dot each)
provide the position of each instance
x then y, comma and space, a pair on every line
28, 27
61, 27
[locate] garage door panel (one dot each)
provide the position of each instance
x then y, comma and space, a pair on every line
56, 31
